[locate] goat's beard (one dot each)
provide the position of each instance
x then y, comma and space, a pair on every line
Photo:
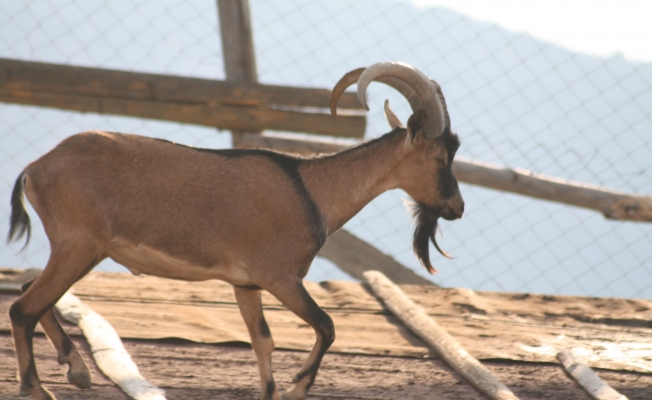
425, 220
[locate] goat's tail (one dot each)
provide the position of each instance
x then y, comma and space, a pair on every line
19, 224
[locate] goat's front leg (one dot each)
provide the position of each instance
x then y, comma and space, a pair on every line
296, 298
251, 309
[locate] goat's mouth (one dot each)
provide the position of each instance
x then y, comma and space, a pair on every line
425, 220
449, 215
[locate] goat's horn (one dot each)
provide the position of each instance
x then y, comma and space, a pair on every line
424, 88
391, 118
347, 80
352, 77
440, 94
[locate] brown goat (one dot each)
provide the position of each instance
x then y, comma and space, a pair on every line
253, 218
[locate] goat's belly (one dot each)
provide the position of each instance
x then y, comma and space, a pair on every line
141, 259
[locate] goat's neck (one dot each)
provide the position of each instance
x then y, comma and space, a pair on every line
343, 183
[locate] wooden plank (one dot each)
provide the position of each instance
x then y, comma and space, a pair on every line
219, 116
107, 286
31, 76
198, 101
587, 378
449, 349
611, 203
11, 281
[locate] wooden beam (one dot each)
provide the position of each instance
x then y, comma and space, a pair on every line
237, 41
237, 47
612, 204
14, 285
224, 105
31, 76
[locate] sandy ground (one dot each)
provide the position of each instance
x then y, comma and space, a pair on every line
191, 371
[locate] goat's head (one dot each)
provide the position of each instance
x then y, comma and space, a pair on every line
425, 171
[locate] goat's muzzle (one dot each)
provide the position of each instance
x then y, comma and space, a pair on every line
454, 209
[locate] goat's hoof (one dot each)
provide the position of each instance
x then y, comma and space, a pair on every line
36, 392
81, 379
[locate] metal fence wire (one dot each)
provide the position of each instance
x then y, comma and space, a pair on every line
514, 100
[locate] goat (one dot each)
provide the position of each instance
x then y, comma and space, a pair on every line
253, 218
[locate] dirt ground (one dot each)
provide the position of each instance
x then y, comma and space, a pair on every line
191, 371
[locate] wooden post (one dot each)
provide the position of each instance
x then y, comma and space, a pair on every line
237, 47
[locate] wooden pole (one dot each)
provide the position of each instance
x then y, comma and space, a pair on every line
611, 203
586, 377
108, 351
436, 337
237, 47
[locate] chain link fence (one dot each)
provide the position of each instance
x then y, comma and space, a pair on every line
514, 100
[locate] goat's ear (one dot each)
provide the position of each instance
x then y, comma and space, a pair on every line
391, 118
416, 124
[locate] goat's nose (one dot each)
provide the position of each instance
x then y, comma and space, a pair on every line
458, 208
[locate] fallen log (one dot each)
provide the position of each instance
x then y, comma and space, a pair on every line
586, 378
436, 337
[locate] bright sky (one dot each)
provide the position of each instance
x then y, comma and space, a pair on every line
600, 27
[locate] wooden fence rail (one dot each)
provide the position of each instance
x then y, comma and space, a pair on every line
220, 104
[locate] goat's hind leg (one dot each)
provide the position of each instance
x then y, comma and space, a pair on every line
64, 268
67, 353
251, 308
296, 298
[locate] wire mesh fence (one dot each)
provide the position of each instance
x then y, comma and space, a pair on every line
514, 100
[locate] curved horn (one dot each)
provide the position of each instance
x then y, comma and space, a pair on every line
447, 119
347, 80
352, 77
425, 90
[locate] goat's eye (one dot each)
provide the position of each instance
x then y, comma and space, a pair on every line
440, 162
